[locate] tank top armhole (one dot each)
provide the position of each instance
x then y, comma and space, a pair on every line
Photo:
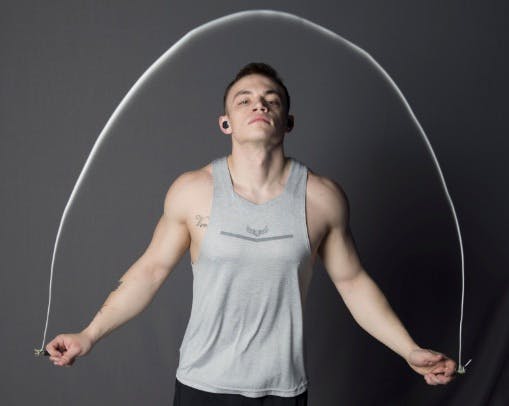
211, 222
304, 221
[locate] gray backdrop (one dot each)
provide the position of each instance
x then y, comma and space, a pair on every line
66, 66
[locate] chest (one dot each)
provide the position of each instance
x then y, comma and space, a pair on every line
254, 230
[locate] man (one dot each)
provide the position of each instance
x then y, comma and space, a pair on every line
254, 222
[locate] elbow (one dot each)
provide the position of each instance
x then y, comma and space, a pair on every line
151, 272
159, 273
349, 284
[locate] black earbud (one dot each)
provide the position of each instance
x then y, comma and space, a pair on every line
225, 124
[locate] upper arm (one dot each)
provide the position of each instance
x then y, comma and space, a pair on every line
171, 237
337, 249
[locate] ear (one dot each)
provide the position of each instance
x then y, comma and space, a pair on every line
221, 120
290, 122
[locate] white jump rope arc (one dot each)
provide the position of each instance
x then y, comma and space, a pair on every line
173, 49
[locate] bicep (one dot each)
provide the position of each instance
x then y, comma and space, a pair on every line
337, 250
171, 238
339, 255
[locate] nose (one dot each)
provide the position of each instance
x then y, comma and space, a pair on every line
260, 104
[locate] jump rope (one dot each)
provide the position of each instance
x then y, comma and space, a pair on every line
237, 17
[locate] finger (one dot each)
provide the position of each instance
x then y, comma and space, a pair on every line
430, 362
444, 367
447, 379
62, 346
429, 379
450, 367
52, 348
442, 379
65, 360
64, 343
439, 369
69, 356
57, 361
61, 362
449, 371
436, 356
435, 379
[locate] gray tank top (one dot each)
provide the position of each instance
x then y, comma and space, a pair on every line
245, 332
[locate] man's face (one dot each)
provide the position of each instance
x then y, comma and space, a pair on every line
255, 109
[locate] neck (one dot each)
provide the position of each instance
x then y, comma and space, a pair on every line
258, 172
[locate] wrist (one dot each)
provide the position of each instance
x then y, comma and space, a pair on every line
409, 351
91, 334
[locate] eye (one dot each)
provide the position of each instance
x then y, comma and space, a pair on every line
243, 101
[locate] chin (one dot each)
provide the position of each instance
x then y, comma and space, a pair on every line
262, 132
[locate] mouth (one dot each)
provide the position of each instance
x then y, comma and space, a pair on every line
254, 120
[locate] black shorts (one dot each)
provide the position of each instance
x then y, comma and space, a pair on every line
188, 396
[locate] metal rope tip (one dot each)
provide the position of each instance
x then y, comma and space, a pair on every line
462, 368
40, 351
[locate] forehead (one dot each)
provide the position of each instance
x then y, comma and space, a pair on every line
254, 83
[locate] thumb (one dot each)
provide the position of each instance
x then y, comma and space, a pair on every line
431, 357
424, 357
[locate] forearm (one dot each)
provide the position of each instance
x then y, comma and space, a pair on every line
137, 287
373, 313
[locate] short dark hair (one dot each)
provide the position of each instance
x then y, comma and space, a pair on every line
258, 68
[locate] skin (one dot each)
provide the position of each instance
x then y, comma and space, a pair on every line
259, 170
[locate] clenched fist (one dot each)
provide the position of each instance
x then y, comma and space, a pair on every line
65, 348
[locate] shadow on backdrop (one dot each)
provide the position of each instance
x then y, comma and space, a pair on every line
350, 125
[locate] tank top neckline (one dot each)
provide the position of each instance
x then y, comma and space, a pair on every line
242, 200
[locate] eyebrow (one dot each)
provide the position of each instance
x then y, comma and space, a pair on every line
245, 91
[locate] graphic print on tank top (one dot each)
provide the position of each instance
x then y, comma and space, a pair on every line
256, 233
250, 280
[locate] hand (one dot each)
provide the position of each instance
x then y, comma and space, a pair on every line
436, 368
64, 348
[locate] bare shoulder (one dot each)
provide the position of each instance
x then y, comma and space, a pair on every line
188, 190
328, 198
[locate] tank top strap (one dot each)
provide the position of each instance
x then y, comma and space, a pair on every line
220, 177
297, 181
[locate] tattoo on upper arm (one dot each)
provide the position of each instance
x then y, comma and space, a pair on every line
202, 221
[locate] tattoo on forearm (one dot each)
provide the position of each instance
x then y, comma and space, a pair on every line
202, 221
